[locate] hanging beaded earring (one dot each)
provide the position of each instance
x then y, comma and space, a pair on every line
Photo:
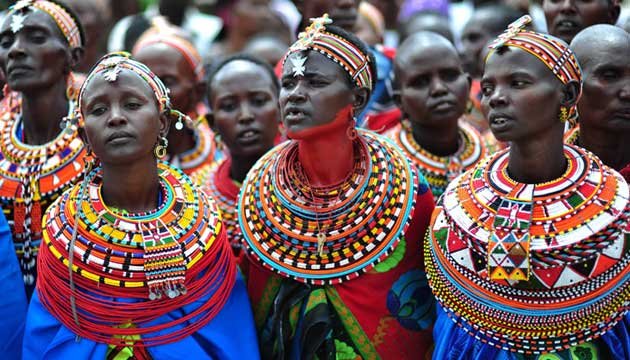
351, 132
160, 148
217, 141
564, 114
179, 125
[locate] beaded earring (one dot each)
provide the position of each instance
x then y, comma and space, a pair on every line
564, 114
160, 148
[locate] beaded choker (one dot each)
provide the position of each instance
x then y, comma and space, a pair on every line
361, 220
533, 268
31, 176
441, 170
158, 261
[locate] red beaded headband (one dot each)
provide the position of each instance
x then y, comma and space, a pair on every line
165, 33
339, 50
62, 18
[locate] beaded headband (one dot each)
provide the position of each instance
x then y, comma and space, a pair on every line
62, 18
336, 48
112, 64
165, 33
557, 56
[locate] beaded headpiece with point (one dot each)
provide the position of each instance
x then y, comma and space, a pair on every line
555, 54
112, 64
336, 48
66, 23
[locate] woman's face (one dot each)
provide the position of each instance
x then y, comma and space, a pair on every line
122, 118
433, 87
566, 18
314, 91
521, 97
245, 108
173, 69
36, 56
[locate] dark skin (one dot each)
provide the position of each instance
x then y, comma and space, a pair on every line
342, 12
521, 99
245, 103
186, 91
122, 125
316, 111
432, 90
565, 18
269, 48
474, 38
94, 19
37, 61
173, 10
603, 51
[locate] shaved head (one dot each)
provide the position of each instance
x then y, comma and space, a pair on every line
595, 42
603, 52
418, 43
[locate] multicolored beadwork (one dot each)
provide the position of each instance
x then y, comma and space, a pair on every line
362, 219
336, 48
202, 154
577, 254
441, 170
152, 258
63, 19
31, 177
213, 181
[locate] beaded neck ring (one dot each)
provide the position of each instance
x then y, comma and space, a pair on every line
339, 50
66, 23
555, 54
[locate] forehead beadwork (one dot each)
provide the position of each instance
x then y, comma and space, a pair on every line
17, 22
336, 48
513, 29
112, 68
298, 65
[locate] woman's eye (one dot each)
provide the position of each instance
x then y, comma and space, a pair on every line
486, 90
98, 111
227, 106
259, 100
287, 84
133, 105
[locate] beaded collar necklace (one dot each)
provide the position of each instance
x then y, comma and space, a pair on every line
153, 258
203, 152
31, 176
441, 170
362, 219
555, 267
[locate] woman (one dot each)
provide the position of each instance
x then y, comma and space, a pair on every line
40, 43
174, 59
526, 251
152, 275
332, 219
243, 93
432, 92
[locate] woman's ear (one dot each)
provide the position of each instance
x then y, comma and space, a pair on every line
570, 93
360, 98
165, 123
75, 56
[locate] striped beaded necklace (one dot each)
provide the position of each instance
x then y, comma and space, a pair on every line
362, 218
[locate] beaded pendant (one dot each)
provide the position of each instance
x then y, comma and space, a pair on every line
31, 177
362, 219
441, 170
533, 268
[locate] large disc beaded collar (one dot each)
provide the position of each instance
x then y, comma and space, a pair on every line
151, 259
362, 219
568, 284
